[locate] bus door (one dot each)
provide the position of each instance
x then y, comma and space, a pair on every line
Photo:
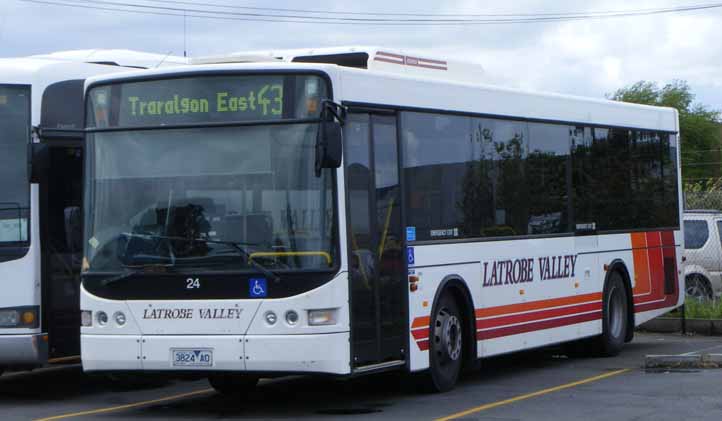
61, 196
377, 264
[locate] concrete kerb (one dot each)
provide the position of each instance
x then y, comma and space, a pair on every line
682, 361
711, 327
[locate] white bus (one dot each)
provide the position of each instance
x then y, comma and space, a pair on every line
225, 235
41, 101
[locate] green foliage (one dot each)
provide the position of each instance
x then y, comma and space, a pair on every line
699, 125
694, 309
703, 194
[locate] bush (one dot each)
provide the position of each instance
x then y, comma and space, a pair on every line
703, 194
700, 309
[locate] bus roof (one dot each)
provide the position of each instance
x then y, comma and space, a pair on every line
390, 60
43, 70
376, 87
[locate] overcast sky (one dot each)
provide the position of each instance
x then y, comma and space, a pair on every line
590, 58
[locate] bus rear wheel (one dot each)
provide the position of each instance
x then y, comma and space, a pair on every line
233, 384
446, 344
615, 316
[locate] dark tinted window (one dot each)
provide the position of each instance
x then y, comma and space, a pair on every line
14, 185
549, 179
475, 177
624, 179
438, 152
695, 234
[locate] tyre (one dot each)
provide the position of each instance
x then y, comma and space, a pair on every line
696, 287
446, 347
615, 316
233, 384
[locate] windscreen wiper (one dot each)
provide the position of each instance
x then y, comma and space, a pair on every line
137, 270
236, 245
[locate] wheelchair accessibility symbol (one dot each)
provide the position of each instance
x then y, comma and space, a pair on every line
257, 287
410, 255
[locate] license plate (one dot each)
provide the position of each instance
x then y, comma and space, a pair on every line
192, 357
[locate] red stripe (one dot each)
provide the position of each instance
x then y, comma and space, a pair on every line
428, 60
382, 53
387, 60
423, 345
420, 333
545, 324
668, 238
670, 300
537, 315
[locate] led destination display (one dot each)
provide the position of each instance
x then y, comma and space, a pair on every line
205, 99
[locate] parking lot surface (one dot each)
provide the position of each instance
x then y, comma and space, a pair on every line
538, 385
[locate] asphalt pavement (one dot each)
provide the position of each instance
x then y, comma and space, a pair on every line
537, 385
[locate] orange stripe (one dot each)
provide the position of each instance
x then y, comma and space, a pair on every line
537, 305
421, 321
642, 281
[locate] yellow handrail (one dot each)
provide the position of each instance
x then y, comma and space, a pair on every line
292, 253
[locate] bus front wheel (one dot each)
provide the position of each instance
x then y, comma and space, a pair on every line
614, 317
232, 384
446, 344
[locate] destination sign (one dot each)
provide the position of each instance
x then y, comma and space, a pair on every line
207, 99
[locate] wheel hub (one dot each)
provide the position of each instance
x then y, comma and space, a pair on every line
447, 335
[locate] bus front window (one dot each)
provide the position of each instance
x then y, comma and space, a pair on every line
185, 197
14, 184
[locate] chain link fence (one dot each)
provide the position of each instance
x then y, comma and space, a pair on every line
703, 240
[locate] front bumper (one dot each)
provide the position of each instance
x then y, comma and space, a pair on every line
28, 349
319, 353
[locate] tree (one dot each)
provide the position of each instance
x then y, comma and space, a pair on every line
700, 130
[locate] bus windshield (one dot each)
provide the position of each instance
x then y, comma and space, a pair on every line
14, 185
208, 198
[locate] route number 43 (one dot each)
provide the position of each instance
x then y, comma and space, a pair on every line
193, 283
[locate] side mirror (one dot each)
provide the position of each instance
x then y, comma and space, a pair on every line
328, 145
38, 162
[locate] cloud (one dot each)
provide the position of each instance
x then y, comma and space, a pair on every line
590, 57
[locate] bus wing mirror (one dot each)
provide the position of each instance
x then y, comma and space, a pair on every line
38, 162
328, 145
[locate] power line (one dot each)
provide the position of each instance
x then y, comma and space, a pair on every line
425, 21
332, 12
265, 17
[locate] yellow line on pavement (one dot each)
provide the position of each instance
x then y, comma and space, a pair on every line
128, 406
73, 358
531, 395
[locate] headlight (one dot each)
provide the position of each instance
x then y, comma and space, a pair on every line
291, 317
86, 318
271, 318
322, 317
19, 317
119, 318
9, 318
102, 318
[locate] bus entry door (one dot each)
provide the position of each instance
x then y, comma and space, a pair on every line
377, 265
